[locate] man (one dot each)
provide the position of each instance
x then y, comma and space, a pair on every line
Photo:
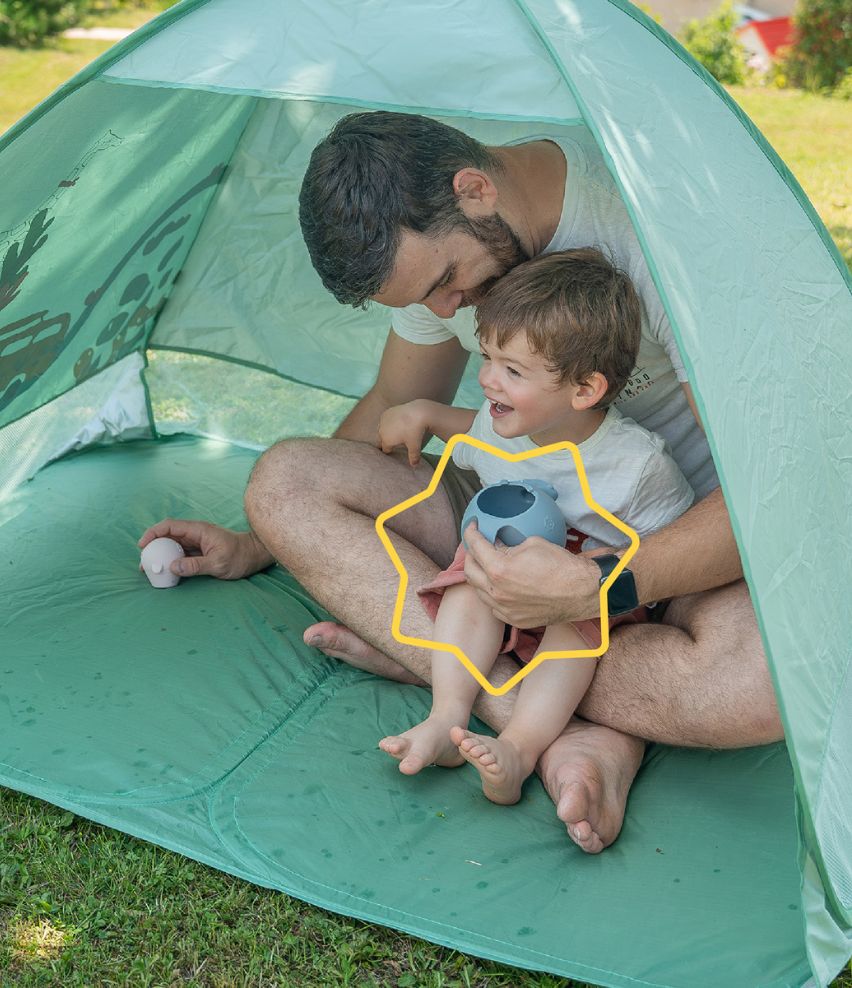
415, 215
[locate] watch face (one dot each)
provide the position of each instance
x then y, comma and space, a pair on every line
622, 594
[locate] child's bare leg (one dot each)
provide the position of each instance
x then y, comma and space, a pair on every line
546, 700
463, 620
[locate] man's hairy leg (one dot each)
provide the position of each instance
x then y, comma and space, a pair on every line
700, 679
313, 503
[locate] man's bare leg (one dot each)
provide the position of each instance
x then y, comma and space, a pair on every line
347, 485
313, 503
699, 679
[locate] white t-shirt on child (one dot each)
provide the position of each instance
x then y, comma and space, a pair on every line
629, 469
594, 215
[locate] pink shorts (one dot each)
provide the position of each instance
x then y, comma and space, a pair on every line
523, 642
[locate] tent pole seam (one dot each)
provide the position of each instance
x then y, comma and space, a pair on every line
433, 111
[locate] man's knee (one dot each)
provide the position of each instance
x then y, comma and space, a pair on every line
720, 628
724, 653
286, 472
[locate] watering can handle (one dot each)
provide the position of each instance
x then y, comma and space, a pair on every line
543, 486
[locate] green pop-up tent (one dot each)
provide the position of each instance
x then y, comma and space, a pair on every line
150, 205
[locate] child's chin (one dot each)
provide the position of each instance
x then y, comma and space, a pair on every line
505, 431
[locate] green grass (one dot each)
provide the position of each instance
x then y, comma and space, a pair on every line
28, 76
131, 13
812, 134
82, 905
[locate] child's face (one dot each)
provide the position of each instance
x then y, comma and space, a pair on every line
526, 398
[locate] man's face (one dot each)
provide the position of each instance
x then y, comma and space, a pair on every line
448, 271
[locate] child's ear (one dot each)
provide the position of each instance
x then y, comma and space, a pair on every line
590, 391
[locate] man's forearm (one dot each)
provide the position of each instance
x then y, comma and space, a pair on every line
696, 552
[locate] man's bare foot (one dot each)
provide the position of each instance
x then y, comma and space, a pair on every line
588, 771
500, 764
337, 641
425, 744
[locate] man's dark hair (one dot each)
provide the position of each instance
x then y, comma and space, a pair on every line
375, 175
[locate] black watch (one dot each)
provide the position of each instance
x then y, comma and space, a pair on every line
621, 597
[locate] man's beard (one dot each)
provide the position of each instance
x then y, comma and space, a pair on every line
504, 246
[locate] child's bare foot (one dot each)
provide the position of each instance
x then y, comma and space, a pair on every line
500, 764
425, 744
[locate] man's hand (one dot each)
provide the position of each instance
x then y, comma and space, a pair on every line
404, 425
532, 584
211, 550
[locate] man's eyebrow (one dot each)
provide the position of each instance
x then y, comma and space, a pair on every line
444, 277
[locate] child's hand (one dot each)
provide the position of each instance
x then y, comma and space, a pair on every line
403, 425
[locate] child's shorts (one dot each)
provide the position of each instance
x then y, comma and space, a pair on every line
523, 642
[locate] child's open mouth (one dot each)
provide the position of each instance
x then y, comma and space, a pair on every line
498, 409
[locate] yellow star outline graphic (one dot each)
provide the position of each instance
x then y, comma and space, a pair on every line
386, 516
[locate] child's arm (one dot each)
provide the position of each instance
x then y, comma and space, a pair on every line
407, 425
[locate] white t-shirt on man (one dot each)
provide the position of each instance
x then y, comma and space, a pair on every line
629, 469
594, 215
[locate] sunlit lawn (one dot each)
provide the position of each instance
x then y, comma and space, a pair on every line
813, 134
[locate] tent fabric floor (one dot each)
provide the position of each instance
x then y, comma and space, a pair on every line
199, 721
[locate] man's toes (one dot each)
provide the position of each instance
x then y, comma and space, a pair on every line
573, 805
320, 635
591, 844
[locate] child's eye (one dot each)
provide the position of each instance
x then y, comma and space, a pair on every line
484, 355
513, 372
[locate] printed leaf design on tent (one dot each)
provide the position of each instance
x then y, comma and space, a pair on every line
30, 345
15, 263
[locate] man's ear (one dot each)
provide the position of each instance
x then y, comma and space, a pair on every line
475, 191
590, 391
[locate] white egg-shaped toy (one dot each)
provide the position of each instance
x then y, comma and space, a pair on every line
157, 558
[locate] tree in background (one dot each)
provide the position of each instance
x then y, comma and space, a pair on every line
29, 22
712, 42
822, 53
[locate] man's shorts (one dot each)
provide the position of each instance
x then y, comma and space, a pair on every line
460, 485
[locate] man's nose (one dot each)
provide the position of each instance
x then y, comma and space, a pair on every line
445, 306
